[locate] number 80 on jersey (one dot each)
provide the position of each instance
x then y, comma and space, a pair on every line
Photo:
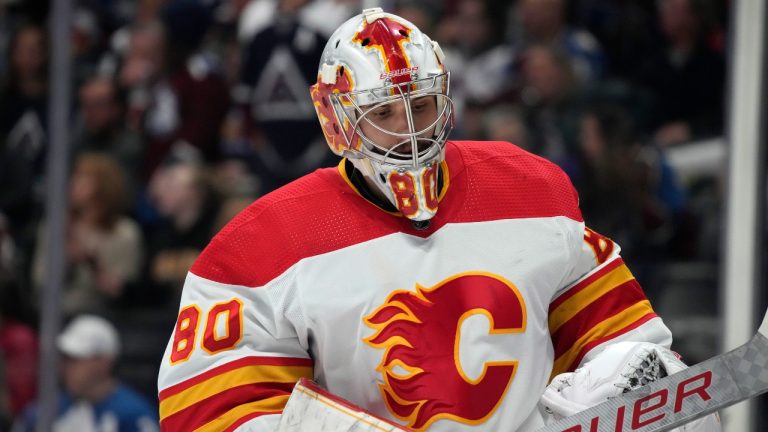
228, 315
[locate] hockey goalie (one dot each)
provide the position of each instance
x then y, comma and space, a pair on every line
423, 284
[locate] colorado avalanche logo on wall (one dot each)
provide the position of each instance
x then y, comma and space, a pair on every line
420, 332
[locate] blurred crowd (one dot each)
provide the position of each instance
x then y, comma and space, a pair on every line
185, 111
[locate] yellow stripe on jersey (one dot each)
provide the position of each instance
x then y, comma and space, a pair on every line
608, 326
587, 295
271, 405
252, 374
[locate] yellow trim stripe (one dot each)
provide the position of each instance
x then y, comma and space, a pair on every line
446, 180
272, 405
587, 295
242, 376
604, 328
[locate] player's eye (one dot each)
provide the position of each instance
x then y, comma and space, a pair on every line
420, 105
380, 113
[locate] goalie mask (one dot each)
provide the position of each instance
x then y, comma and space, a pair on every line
382, 100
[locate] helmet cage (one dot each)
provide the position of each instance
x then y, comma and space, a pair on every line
353, 107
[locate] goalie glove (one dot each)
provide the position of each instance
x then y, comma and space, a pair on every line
620, 368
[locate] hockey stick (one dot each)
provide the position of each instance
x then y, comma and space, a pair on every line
683, 397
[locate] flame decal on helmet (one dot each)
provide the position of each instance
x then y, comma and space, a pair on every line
388, 36
420, 331
321, 93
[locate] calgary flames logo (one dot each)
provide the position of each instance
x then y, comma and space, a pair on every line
423, 377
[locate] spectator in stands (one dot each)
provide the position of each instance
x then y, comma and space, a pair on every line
140, 75
686, 73
505, 123
88, 42
482, 69
18, 358
280, 62
550, 99
176, 97
23, 117
189, 208
93, 399
324, 16
104, 245
626, 188
196, 76
25, 88
102, 111
18, 341
422, 14
624, 29
542, 22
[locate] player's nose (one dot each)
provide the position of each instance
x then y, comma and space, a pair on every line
401, 120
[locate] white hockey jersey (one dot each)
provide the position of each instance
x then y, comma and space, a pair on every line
457, 327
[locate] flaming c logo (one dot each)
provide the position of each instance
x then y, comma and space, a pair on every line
423, 376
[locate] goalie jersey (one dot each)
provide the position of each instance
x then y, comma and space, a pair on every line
456, 327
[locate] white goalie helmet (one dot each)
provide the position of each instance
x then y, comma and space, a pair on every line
382, 100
